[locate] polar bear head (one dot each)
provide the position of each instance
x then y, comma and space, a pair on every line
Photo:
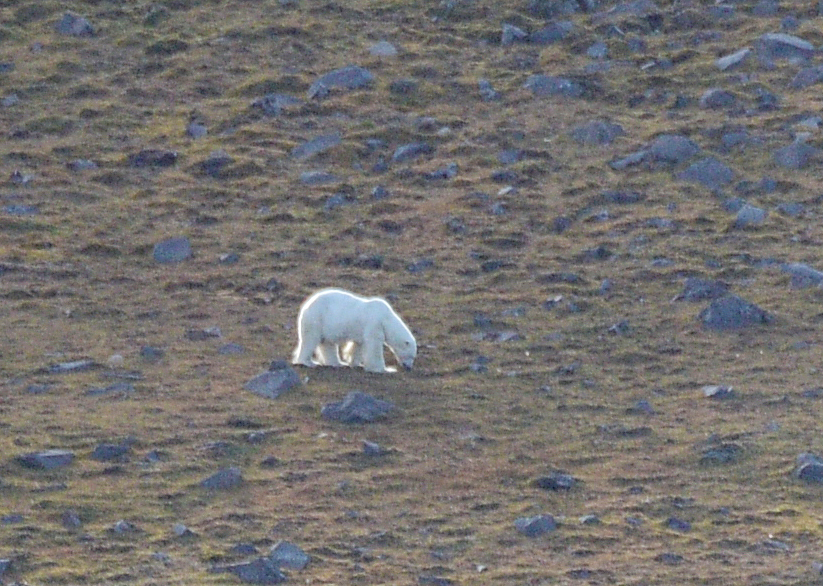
399, 339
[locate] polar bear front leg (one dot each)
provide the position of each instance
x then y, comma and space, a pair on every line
327, 354
371, 351
305, 348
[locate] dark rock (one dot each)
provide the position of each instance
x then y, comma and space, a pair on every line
669, 558
21, 210
733, 313
347, 78
273, 383
315, 146
672, 148
629, 161
108, 452
47, 460
153, 158
550, 85
772, 46
74, 25
621, 197
223, 479
231, 349
357, 407
716, 98
795, 156
70, 519
597, 133
287, 555
697, 289
678, 524
410, 151
11, 519
807, 77
725, 453
447, 172
766, 100
750, 215
791, 208
809, 468
556, 31
709, 172
172, 250
535, 526
556, 481
215, 163
404, 87
803, 276
373, 449
196, 129
258, 571
151, 354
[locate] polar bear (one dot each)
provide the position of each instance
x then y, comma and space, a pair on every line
339, 328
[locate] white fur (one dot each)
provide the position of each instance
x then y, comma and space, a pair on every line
338, 328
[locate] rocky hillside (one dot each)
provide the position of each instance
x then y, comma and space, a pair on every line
601, 219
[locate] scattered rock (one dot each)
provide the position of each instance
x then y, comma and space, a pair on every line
733, 313
274, 382
678, 524
597, 132
487, 92
258, 571
803, 276
123, 527
74, 25
512, 34
716, 98
709, 172
550, 85
78, 165
554, 32
383, 49
287, 555
795, 156
47, 460
724, 453
697, 289
172, 250
346, 78
806, 77
556, 481
749, 216
672, 148
72, 366
223, 479
535, 526
153, 158
357, 407
410, 151
274, 104
809, 468
737, 58
122, 387
315, 146
215, 163
317, 178
771, 46
108, 452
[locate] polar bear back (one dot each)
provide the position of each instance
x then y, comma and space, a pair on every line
340, 315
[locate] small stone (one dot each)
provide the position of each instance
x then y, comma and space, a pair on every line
672, 148
716, 98
108, 452
556, 481
372, 449
597, 133
123, 527
512, 34
357, 407
71, 520
487, 92
172, 250
47, 460
411, 151
215, 163
749, 216
729, 62
315, 146
223, 479
807, 76
783, 46
151, 354
599, 50
535, 526
153, 158
273, 383
549, 85
287, 555
74, 25
181, 530
383, 49
803, 276
795, 156
196, 129
274, 104
258, 571
726, 453
556, 31
709, 172
678, 524
78, 165
348, 78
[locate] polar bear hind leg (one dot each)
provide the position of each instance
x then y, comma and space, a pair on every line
308, 340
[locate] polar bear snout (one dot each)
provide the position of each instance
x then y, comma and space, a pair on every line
407, 364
